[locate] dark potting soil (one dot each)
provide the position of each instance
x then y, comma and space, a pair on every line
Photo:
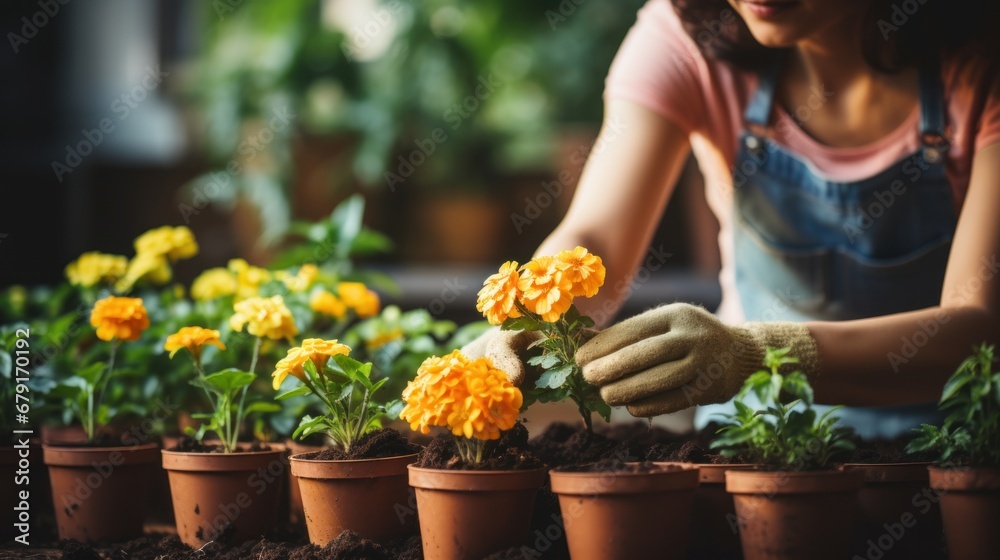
509, 453
690, 452
100, 440
879, 452
190, 445
385, 442
348, 546
617, 466
565, 444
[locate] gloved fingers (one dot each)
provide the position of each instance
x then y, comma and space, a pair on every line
505, 349
477, 348
642, 355
629, 331
662, 403
642, 385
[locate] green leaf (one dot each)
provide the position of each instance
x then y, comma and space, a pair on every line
296, 392
545, 361
261, 407
960, 379
555, 378
92, 372
522, 323
229, 380
394, 408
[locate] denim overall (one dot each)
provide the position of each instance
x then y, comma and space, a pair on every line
808, 248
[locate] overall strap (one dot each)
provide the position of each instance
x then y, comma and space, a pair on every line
758, 110
933, 116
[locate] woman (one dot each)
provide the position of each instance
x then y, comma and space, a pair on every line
851, 153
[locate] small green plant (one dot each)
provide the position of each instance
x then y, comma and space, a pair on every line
787, 433
342, 384
227, 391
971, 431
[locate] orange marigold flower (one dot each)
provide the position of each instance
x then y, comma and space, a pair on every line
499, 295
470, 397
193, 338
264, 317
119, 318
358, 297
582, 269
328, 304
315, 349
544, 289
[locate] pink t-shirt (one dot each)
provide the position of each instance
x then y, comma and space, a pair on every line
660, 67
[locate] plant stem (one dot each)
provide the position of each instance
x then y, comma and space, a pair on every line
235, 428
103, 383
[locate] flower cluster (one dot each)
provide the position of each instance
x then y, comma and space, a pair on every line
545, 286
249, 278
155, 250
470, 397
95, 267
213, 283
193, 339
264, 317
119, 318
317, 350
300, 281
353, 296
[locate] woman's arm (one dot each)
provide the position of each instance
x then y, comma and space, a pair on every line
905, 358
620, 198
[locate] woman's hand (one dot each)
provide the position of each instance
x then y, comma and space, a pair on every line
680, 355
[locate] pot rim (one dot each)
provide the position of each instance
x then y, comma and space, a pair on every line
795, 482
609, 482
964, 479
192, 461
711, 473
55, 455
874, 473
331, 469
475, 481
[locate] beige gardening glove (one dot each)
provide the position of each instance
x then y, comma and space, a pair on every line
680, 355
505, 348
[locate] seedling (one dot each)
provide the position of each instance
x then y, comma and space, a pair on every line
971, 431
787, 433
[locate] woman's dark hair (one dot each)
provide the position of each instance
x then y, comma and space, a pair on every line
898, 33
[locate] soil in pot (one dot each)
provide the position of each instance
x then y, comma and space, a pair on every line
472, 511
618, 510
789, 515
99, 493
225, 497
364, 490
898, 514
970, 508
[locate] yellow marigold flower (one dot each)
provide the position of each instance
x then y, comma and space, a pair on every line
315, 349
470, 397
213, 283
499, 294
119, 318
264, 317
248, 278
145, 266
583, 270
544, 289
328, 304
383, 338
302, 280
356, 296
94, 268
174, 243
193, 338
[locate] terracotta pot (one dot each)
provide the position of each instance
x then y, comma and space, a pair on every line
970, 509
626, 515
296, 516
229, 497
467, 515
714, 533
794, 515
458, 229
99, 493
897, 517
369, 497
